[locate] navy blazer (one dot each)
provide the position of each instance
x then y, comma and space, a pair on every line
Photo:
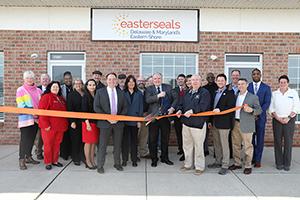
264, 94
198, 102
136, 107
226, 101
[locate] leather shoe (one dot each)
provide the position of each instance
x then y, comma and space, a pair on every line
154, 164
134, 164
77, 163
118, 167
100, 170
257, 165
30, 160
234, 167
124, 163
58, 164
168, 162
182, 158
247, 171
48, 167
40, 157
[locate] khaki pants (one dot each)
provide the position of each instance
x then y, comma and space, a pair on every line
221, 146
143, 140
193, 139
239, 138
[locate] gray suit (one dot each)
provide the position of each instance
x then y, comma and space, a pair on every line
102, 105
247, 120
243, 131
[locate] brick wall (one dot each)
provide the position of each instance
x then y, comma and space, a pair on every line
124, 57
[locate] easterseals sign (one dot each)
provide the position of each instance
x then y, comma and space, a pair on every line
145, 25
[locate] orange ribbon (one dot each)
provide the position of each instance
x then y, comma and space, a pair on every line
98, 116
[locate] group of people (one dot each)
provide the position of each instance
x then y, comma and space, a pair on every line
241, 129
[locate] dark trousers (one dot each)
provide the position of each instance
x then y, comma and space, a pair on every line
38, 143
285, 131
117, 133
65, 146
27, 139
130, 140
76, 143
258, 139
162, 126
178, 130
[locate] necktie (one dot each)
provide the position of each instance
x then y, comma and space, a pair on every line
113, 102
255, 88
160, 99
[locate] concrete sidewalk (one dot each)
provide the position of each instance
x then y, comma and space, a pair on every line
144, 182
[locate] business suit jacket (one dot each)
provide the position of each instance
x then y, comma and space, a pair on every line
247, 120
264, 94
226, 101
64, 91
134, 107
102, 105
170, 100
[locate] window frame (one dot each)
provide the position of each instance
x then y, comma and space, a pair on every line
298, 78
51, 63
242, 65
163, 66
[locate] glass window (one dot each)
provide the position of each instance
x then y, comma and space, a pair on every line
243, 62
169, 65
60, 62
1, 83
294, 74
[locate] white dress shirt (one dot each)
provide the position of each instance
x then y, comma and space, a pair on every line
284, 104
109, 91
43, 88
258, 85
239, 102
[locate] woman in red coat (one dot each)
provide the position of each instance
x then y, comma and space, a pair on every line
52, 128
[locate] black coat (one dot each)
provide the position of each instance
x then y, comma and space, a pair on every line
198, 102
226, 101
88, 107
74, 101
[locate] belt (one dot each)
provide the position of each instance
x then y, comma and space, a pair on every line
238, 120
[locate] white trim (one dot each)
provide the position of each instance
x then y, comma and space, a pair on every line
51, 63
172, 54
227, 65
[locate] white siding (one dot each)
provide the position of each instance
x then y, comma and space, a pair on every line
244, 20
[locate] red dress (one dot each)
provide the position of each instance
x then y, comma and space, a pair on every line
92, 136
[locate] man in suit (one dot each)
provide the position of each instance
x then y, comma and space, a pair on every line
233, 85
244, 126
161, 101
38, 143
223, 99
263, 91
180, 91
66, 88
211, 86
97, 75
121, 81
194, 128
110, 100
